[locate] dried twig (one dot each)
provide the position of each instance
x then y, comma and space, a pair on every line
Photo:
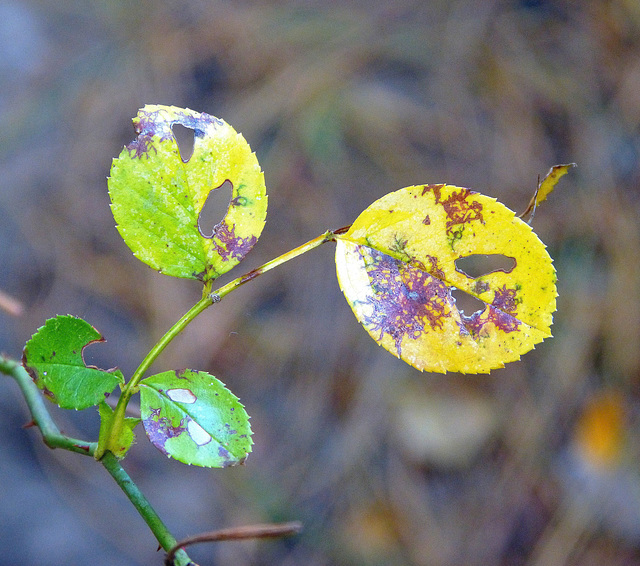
237, 533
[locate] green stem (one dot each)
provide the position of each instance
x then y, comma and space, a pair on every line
117, 420
53, 438
178, 327
51, 434
328, 236
208, 298
142, 505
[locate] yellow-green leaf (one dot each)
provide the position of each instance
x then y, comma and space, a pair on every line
396, 267
157, 198
119, 446
546, 186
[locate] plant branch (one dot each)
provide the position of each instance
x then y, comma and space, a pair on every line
117, 422
210, 298
41, 418
178, 327
147, 512
328, 236
236, 533
53, 438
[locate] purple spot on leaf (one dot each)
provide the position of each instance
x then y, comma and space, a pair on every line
48, 393
433, 188
155, 123
226, 457
406, 299
504, 307
182, 374
230, 245
141, 146
159, 429
434, 269
502, 313
195, 122
459, 210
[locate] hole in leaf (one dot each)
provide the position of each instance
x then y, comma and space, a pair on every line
476, 265
214, 209
467, 304
185, 138
94, 355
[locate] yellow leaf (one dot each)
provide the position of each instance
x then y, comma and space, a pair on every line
396, 268
545, 188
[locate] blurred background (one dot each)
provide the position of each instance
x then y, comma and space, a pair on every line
536, 464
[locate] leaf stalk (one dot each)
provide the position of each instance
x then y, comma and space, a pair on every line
328, 236
209, 298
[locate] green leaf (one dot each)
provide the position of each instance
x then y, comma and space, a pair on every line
192, 417
53, 358
127, 437
157, 198
396, 267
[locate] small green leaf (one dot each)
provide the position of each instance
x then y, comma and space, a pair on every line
157, 198
53, 358
192, 417
127, 437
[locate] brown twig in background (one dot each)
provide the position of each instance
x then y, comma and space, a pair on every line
10, 305
237, 533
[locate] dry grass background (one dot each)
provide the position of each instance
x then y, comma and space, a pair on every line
537, 464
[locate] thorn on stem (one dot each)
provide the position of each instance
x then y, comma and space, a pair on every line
342, 230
